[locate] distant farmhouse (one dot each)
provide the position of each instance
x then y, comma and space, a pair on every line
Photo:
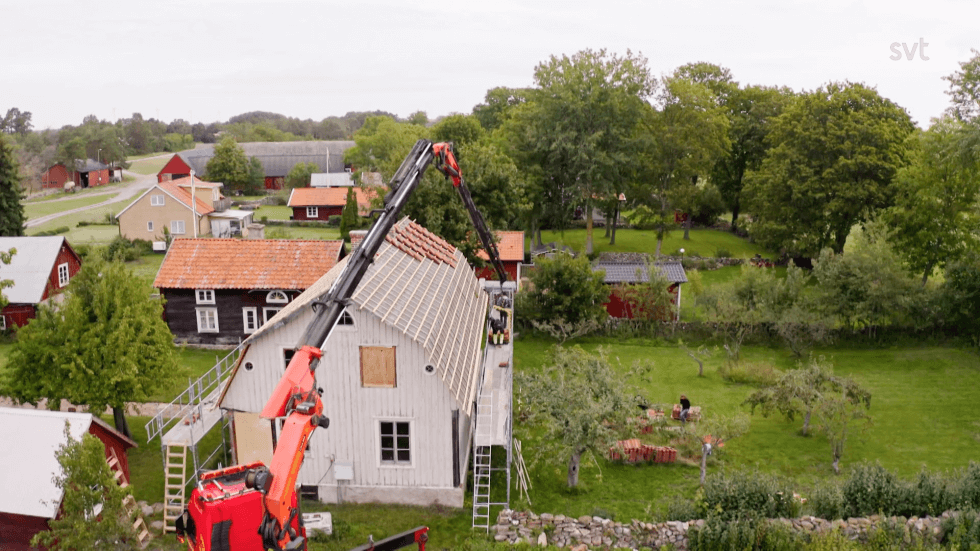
40, 270
624, 269
220, 291
277, 159
510, 245
321, 203
168, 205
84, 174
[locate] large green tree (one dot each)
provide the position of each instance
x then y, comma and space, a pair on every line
92, 515
11, 209
16, 122
750, 111
497, 105
964, 89
581, 125
680, 139
579, 401
936, 217
564, 289
229, 165
835, 152
107, 344
299, 175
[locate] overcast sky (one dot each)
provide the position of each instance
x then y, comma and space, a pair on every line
206, 60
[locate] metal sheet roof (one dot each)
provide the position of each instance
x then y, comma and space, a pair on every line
31, 438
30, 267
278, 158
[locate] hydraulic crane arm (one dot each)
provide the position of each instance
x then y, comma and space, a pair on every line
297, 396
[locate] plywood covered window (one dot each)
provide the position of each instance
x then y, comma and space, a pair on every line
378, 367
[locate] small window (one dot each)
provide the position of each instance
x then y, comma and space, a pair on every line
268, 313
378, 367
346, 319
396, 446
156, 200
250, 318
205, 296
312, 212
207, 320
62, 274
287, 356
149, 226
177, 226
3, 323
276, 297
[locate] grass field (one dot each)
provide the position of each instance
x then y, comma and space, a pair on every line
78, 193
36, 210
147, 266
272, 213
292, 232
95, 215
156, 154
149, 166
702, 242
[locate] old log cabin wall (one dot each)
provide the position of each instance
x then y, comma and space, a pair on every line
181, 313
355, 412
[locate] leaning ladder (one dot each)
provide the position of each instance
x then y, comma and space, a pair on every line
175, 480
481, 462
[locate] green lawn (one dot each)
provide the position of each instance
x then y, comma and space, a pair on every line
149, 166
95, 215
295, 232
78, 192
909, 431
132, 158
702, 242
147, 266
272, 213
36, 210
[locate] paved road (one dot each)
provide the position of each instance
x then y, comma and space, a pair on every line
126, 193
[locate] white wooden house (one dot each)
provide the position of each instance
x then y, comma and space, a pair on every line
399, 377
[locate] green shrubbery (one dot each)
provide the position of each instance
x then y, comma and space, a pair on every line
56, 231
747, 494
126, 250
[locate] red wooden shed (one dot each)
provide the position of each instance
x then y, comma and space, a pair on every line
40, 269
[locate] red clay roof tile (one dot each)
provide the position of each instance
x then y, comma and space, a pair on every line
510, 246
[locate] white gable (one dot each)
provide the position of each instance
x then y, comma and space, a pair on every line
30, 268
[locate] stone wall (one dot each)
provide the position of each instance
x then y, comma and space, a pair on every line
587, 532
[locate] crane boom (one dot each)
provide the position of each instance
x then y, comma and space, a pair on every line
297, 396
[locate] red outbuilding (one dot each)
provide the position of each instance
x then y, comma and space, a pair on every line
87, 173
510, 246
320, 203
40, 270
624, 269
31, 439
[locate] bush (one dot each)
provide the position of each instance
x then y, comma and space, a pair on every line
749, 494
870, 490
827, 502
56, 231
962, 530
127, 251
748, 533
334, 221
682, 510
723, 253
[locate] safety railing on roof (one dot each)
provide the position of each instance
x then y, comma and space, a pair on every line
192, 400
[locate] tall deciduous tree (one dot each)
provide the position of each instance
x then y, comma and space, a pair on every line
751, 111
92, 515
16, 122
11, 209
582, 123
836, 414
936, 216
497, 104
579, 400
229, 165
106, 345
564, 290
964, 90
835, 152
680, 140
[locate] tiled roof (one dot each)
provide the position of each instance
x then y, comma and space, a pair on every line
246, 264
510, 246
30, 268
178, 191
420, 243
330, 197
438, 303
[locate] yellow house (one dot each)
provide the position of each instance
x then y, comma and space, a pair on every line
170, 205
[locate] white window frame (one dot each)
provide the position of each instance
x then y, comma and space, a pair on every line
255, 319
149, 225
312, 212
346, 320
206, 313
394, 464
3, 322
63, 275
268, 313
277, 297
204, 296
157, 200
177, 227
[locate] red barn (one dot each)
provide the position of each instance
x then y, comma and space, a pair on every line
321, 203
277, 159
634, 268
32, 437
510, 245
87, 173
40, 270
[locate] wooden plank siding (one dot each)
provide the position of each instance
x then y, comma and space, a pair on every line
420, 398
322, 213
180, 312
175, 169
